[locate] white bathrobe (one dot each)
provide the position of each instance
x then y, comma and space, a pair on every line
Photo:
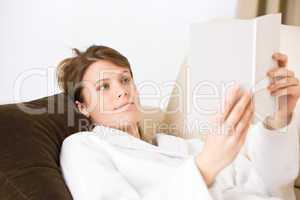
108, 164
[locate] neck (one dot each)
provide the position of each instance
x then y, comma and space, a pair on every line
132, 129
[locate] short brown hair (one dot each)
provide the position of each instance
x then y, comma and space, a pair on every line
71, 70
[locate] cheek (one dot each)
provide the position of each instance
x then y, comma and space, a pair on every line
104, 103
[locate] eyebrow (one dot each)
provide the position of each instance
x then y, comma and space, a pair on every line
106, 79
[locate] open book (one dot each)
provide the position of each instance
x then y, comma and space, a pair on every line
227, 51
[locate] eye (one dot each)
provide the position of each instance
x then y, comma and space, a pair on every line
126, 79
104, 86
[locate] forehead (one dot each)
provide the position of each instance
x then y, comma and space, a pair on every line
102, 69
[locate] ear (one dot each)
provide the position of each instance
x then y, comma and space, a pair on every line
82, 108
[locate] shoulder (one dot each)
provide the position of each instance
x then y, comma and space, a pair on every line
82, 147
77, 138
81, 143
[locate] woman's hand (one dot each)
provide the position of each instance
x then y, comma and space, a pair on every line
285, 86
224, 143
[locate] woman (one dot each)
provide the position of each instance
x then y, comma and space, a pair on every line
115, 160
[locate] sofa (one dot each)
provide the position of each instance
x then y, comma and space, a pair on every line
31, 137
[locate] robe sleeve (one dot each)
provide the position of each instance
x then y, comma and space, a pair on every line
274, 154
90, 174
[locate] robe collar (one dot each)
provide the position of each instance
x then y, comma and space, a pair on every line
167, 145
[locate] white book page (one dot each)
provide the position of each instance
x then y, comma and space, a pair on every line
221, 53
224, 52
267, 43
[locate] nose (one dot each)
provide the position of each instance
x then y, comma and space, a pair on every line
122, 92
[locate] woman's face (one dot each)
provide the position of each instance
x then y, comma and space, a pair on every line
110, 95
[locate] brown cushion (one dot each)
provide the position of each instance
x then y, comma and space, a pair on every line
30, 141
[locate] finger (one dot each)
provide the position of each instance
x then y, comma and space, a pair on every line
293, 90
280, 58
233, 95
280, 72
245, 120
243, 136
282, 83
238, 110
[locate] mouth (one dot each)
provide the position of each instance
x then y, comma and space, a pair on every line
124, 105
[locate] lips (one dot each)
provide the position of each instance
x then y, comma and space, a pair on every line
123, 105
